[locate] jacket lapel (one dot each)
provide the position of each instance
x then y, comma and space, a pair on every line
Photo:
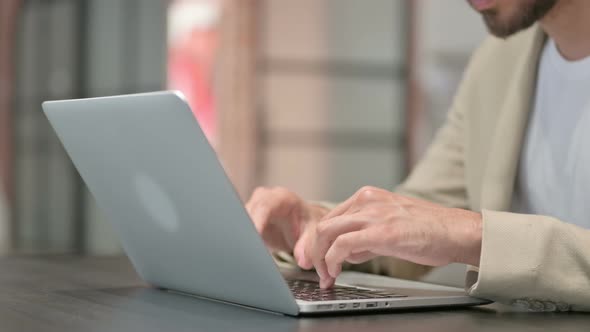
500, 174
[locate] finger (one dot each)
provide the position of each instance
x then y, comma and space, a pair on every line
264, 208
260, 215
360, 258
367, 192
257, 212
252, 198
303, 260
327, 283
345, 246
255, 198
326, 232
340, 208
289, 223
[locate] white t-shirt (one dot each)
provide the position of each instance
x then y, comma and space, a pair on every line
554, 171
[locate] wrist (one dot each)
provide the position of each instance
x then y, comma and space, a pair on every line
470, 244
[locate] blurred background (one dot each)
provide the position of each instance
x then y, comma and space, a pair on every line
320, 96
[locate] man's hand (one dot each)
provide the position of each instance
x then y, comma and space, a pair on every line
284, 220
375, 222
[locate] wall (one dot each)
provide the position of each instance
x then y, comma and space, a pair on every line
73, 49
332, 79
46, 69
447, 34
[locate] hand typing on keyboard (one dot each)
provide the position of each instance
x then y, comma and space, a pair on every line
285, 221
373, 222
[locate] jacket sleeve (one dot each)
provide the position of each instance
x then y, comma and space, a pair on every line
536, 262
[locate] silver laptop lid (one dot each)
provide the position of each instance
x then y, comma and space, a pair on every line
155, 176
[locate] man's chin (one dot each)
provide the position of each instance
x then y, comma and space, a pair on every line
499, 29
504, 25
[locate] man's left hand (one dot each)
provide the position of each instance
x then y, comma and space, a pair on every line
375, 222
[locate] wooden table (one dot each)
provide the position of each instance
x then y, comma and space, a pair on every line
57, 293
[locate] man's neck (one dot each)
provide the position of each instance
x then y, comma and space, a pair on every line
568, 24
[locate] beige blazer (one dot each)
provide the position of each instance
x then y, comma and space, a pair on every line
533, 261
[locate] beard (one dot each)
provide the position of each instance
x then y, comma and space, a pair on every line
525, 16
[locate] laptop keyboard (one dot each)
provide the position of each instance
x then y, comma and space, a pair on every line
311, 291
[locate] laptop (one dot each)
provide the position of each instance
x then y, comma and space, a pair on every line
154, 175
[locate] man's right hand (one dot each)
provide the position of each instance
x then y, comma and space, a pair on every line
285, 221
